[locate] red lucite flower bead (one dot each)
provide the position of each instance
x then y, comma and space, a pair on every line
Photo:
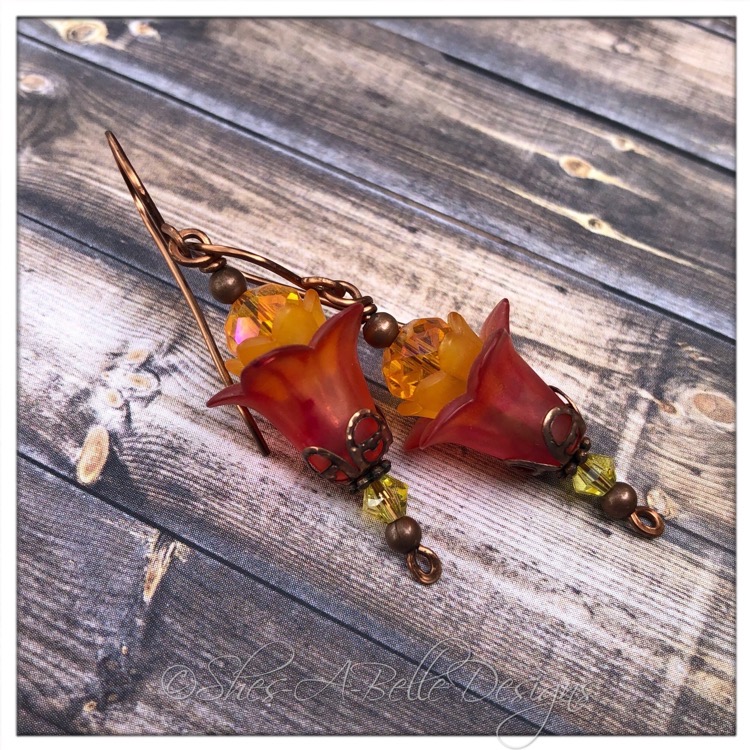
313, 394
503, 411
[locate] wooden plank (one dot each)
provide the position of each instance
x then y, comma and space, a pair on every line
616, 208
637, 384
80, 673
663, 78
563, 593
723, 26
30, 723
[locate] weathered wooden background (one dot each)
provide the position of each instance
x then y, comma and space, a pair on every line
583, 168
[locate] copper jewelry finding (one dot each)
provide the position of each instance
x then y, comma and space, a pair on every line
297, 369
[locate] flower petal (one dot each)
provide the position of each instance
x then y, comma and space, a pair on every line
232, 394
497, 320
502, 412
308, 393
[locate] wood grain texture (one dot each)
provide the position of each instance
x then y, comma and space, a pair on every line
726, 27
80, 672
564, 595
538, 599
658, 76
304, 215
396, 114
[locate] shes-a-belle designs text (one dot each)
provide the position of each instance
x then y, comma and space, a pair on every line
264, 676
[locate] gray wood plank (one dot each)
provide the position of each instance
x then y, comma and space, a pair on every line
641, 376
723, 26
663, 78
561, 594
620, 210
565, 594
29, 723
82, 672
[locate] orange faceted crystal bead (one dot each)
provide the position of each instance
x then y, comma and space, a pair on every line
413, 355
254, 312
429, 362
268, 317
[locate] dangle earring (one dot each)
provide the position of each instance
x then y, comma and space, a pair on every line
301, 372
477, 391
297, 369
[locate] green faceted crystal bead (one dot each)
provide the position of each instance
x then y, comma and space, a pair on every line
385, 499
595, 475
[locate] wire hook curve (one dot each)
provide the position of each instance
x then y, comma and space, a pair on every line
156, 225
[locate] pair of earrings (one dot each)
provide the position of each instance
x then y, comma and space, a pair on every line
301, 372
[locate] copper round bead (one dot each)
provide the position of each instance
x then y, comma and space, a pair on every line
227, 285
403, 535
381, 330
620, 501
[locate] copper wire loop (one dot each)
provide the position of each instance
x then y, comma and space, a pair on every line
192, 247
654, 528
430, 575
564, 396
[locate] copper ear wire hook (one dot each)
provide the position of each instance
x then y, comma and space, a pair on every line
191, 247
156, 226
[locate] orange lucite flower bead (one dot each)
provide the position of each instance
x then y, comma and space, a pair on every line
267, 317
